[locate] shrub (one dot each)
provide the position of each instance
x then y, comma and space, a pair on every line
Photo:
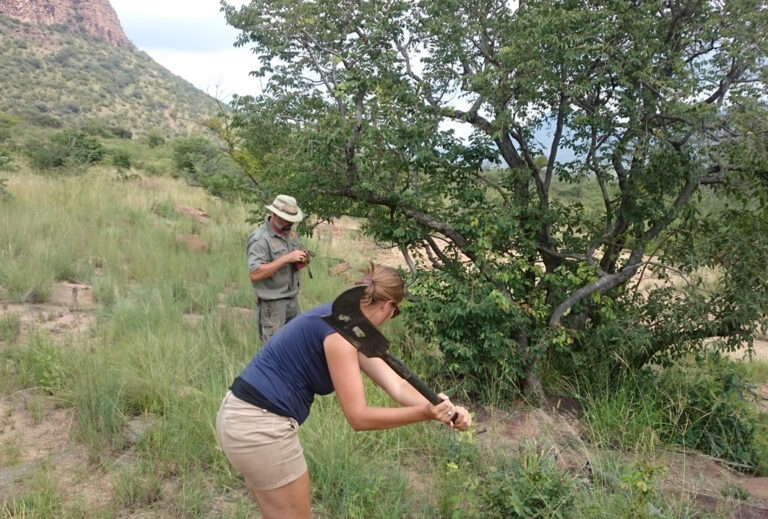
44, 120
120, 158
206, 166
7, 122
6, 164
67, 148
155, 138
532, 486
192, 154
120, 132
716, 414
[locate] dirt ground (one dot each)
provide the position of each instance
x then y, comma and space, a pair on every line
36, 433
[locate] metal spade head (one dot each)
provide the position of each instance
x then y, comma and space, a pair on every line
348, 319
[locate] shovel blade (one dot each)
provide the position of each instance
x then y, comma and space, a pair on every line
348, 319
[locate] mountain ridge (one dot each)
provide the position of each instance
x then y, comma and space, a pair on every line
70, 75
94, 17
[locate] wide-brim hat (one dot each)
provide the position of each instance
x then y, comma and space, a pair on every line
286, 208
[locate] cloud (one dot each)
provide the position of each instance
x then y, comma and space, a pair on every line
191, 39
192, 35
219, 74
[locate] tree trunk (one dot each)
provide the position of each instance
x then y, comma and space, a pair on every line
533, 390
531, 384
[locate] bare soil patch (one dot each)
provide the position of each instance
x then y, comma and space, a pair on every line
36, 435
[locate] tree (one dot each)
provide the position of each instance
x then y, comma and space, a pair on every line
204, 164
656, 105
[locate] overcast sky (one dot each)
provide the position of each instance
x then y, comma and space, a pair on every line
191, 39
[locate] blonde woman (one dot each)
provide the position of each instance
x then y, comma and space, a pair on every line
257, 423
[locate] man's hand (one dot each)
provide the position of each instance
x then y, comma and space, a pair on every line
297, 256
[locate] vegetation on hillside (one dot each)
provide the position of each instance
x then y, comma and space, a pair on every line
57, 77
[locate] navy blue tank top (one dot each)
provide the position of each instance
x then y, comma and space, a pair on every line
291, 368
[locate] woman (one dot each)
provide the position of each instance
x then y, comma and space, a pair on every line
257, 424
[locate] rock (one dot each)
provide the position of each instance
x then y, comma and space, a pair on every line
195, 213
95, 17
192, 242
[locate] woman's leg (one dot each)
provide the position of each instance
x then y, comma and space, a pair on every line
291, 501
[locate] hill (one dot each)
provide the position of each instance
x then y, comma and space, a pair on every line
72, 70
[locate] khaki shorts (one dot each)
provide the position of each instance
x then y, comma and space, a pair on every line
262, 446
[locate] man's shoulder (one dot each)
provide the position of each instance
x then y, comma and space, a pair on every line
258, 233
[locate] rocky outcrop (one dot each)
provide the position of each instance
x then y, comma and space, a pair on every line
94, 17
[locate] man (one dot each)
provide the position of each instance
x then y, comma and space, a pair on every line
275, 255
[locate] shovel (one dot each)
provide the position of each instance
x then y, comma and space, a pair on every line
349, 321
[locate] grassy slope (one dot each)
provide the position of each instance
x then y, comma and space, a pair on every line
143, 359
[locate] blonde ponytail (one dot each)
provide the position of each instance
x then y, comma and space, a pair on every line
384, 284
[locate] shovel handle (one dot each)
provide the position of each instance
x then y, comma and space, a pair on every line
418, 384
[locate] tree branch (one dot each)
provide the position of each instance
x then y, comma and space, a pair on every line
601, 285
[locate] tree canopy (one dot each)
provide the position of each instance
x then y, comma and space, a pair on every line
453, 127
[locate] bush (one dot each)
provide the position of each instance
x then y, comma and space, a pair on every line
532, 486
193, 154
98, 128
120, 158
67, 148
155, 138
6, 164
7, 122
44, 121
716, 413
204, 165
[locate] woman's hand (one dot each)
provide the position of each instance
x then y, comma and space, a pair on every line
463, 421
445, 411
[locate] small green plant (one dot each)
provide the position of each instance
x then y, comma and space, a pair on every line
531, 487
5, 194
10, 327
733, 490
42, 364
135, 489
641, 486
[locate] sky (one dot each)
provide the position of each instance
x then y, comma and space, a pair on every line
191, 39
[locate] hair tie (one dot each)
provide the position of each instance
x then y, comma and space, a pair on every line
368, 280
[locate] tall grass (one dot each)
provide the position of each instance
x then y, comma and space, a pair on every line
145, 366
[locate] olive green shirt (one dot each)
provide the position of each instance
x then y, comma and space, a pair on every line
265, 245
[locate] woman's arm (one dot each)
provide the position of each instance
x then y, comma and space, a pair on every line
344, 365
403, 392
